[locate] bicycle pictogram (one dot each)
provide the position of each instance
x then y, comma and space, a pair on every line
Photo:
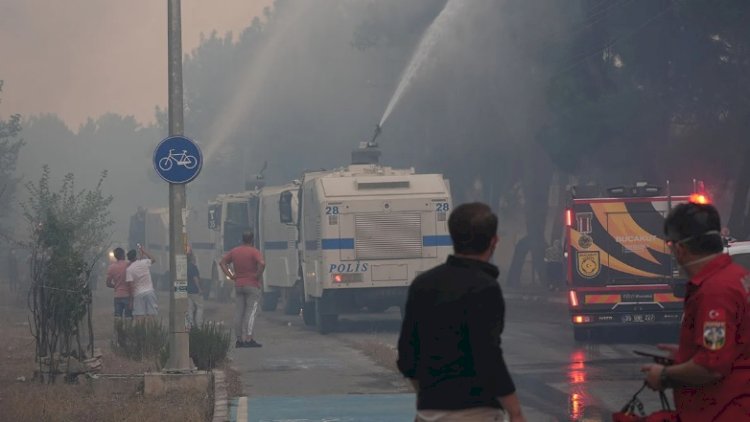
181, 159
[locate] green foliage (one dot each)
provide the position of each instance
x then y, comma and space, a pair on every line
149, 339
209, 344
67, 231
140, 340
10, 145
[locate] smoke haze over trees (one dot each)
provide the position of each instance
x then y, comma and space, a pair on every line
517, 100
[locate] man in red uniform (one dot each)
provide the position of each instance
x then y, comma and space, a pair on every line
711, 374
248, 266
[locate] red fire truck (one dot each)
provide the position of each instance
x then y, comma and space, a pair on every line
619, 269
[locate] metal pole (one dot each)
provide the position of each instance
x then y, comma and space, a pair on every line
179, 353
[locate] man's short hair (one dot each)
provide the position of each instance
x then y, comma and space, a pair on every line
131, 255
119, 253
472, 227
247, 236
696, 226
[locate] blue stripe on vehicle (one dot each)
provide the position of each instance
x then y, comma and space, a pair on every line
346, 243
276, 245
437, 240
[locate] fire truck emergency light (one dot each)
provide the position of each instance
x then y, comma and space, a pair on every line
699, 198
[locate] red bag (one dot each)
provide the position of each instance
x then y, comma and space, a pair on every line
633, 410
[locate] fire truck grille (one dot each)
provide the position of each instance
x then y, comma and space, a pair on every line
388, 236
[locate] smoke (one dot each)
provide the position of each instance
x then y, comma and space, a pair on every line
425, 48
257, 70
83, 58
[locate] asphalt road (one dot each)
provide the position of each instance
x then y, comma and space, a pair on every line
301, 375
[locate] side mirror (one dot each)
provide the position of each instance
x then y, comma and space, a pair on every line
286, 214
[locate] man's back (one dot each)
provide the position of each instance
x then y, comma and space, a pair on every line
450, 338
116, 273
245, 259
139, 273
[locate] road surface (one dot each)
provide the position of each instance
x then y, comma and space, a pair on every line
300, 375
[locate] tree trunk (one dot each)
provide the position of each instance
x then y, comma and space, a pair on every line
538, 176
516, 264
536, 184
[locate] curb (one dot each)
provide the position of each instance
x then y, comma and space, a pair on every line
221, 401
238, 409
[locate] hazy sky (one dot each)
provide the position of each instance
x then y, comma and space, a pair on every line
81, 58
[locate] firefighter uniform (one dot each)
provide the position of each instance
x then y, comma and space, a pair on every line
715, 334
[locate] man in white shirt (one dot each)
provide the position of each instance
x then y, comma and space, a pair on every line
139, 273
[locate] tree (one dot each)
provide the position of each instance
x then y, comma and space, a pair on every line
68, 230
10, 145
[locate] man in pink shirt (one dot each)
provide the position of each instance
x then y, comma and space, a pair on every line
248, 265
116, 280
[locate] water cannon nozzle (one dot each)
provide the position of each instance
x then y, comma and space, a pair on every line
378, 130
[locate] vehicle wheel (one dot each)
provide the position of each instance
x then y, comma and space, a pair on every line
293, 300
326, 322
308, 313
581, 334
270, 301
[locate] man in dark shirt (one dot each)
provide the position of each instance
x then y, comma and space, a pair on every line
449, 346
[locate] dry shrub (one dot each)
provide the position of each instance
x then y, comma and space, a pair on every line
140, 340
95, 402
209, 344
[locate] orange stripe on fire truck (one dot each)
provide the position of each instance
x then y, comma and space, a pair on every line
666, 297
589, 299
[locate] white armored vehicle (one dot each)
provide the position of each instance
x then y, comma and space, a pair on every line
365, 232
277, 242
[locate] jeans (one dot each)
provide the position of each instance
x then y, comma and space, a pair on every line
122, 307
247, 298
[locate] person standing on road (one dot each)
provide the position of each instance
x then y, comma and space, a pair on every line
248, 265
711, 373
123, 290
553, 260
195, 298
449, 346
145, 304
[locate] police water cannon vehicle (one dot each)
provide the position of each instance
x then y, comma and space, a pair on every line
365, 231
230, 215
277, 242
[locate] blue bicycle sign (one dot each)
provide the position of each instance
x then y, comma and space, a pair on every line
178, 159
185, 160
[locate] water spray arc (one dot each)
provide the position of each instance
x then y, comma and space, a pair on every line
425, 47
